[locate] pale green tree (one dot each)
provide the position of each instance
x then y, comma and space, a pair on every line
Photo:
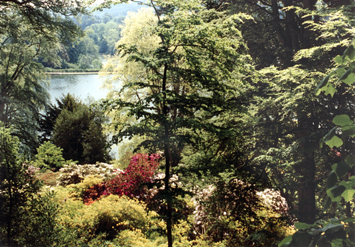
137, 29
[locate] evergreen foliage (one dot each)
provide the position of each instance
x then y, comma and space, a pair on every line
49, 156
339, 230
189, 83
78, 131
285, 118
29, 31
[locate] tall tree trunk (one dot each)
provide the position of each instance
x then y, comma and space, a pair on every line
306, 169
306, 191
168, 196
2, 109
167, 163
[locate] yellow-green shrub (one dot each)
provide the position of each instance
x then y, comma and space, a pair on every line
133, 238
77, 190
110, 215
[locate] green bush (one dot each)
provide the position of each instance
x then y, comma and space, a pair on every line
49, 156
106, 217
41, 225
17, 187
132, 238
27, 217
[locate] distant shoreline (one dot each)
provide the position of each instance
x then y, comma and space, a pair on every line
74, 73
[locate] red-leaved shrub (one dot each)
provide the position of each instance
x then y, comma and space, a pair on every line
140, 170
94, 193
129, 182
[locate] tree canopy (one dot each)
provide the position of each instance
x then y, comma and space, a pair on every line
187, 84
29, 30
78, 131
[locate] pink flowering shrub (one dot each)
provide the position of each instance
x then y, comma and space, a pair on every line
140, 170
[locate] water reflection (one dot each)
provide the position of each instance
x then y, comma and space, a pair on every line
82, 86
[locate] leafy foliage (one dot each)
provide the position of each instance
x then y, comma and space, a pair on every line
338, 231
26, 217
49, 156
108, 216
23, 41
41, 221
78, 131
17, 188
285, 117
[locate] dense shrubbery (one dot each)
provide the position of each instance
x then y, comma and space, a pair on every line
237, 214
125, 221
26, 216
234, 213
128, 182
140, 170
108, 216
72, 215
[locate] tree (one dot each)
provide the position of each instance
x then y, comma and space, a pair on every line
47, 120
339, 186
22, 94
283, 28
44, 17
103, 46
187, 83
17, 188
96, 64
24, 39
292, 44
78, 131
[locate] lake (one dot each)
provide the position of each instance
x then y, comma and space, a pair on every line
82, 86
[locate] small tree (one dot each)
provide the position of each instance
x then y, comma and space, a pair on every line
17, 187
49, 156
